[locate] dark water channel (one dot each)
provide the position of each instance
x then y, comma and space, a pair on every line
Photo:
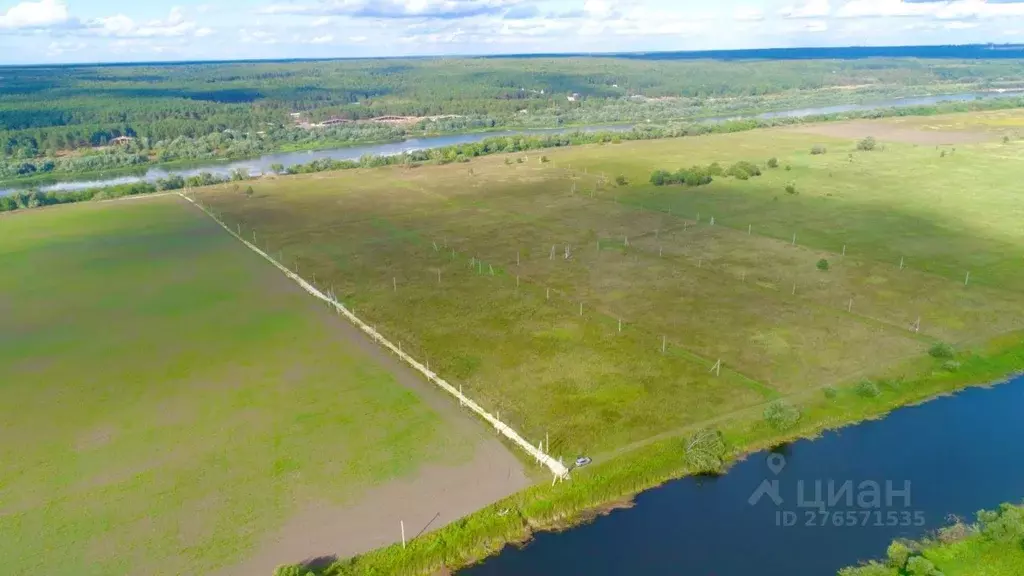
953, 455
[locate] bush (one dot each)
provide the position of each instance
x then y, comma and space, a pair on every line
897, 555
790, 189
660, 177
1003, 525
781, 415
1006, 139
544, 160
921, 566
621, 180
822, 265
788, 167
715, 169
743, 170
867, 389
773, 162
519, 160
248, 191
866, 144
818, 149
951, 366
941, 350
831, 393
705, 450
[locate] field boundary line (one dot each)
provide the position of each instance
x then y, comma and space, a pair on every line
556, 467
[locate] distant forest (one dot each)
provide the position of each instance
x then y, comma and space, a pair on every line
61, 119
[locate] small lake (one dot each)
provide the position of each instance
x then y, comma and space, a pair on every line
953, 455
263, 163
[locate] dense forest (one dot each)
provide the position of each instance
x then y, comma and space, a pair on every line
66, 119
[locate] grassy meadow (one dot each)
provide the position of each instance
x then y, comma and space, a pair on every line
466, 265
167, 399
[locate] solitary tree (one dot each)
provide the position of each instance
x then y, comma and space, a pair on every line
773, 162
248, 191
822, 265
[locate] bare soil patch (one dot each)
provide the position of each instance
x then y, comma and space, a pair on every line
886, 131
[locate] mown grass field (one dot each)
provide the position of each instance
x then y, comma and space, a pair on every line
168, 399
430, 255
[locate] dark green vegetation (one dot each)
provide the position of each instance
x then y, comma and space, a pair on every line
623, 319
993, 546
167, 398
62, 120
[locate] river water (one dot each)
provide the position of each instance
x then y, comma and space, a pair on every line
953, 455
263, 163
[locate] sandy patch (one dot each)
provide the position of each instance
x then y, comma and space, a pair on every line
885, 131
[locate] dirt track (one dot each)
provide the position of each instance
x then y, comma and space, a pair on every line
436, 495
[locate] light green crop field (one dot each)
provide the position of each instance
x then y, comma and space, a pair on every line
167, 398
429, 254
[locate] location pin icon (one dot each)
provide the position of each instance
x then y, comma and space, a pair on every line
776, 462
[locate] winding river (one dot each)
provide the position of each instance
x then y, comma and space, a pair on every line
953, 455
263, 163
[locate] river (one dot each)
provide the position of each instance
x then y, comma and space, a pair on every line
263, 163
953, 455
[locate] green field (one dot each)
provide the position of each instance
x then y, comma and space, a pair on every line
429, 254
167, 398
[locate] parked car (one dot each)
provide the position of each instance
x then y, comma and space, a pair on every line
582, 461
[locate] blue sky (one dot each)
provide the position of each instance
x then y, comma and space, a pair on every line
45, 31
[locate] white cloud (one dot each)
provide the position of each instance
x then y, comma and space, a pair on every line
357, 39
322, 21
816, 26
392, 8
204, 32
747, 14
121, 26
809, 9
40, 14
325, 39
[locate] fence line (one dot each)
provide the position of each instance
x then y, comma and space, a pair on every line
556, 467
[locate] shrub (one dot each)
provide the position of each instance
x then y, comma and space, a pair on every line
831, 392
715, 169
508, 161
773, 162
248, 191
1003, 525
818, 149
705, 450
519, 160
822, 265
866, 144
921, 566
743, 170
781, 415
660, 177
790, 189
941, 350
1006, 139
867, 389
897, 555
951, 366
942, 154
621, 180
544, 160
788, 167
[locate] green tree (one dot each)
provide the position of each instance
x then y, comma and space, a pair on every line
818, 149
781, 415
773, 162
867, 144
822, 265
705, 450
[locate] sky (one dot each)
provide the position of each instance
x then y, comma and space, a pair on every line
70, 31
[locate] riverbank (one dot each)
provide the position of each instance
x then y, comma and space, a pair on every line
995, 541
542, 507
736, 120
